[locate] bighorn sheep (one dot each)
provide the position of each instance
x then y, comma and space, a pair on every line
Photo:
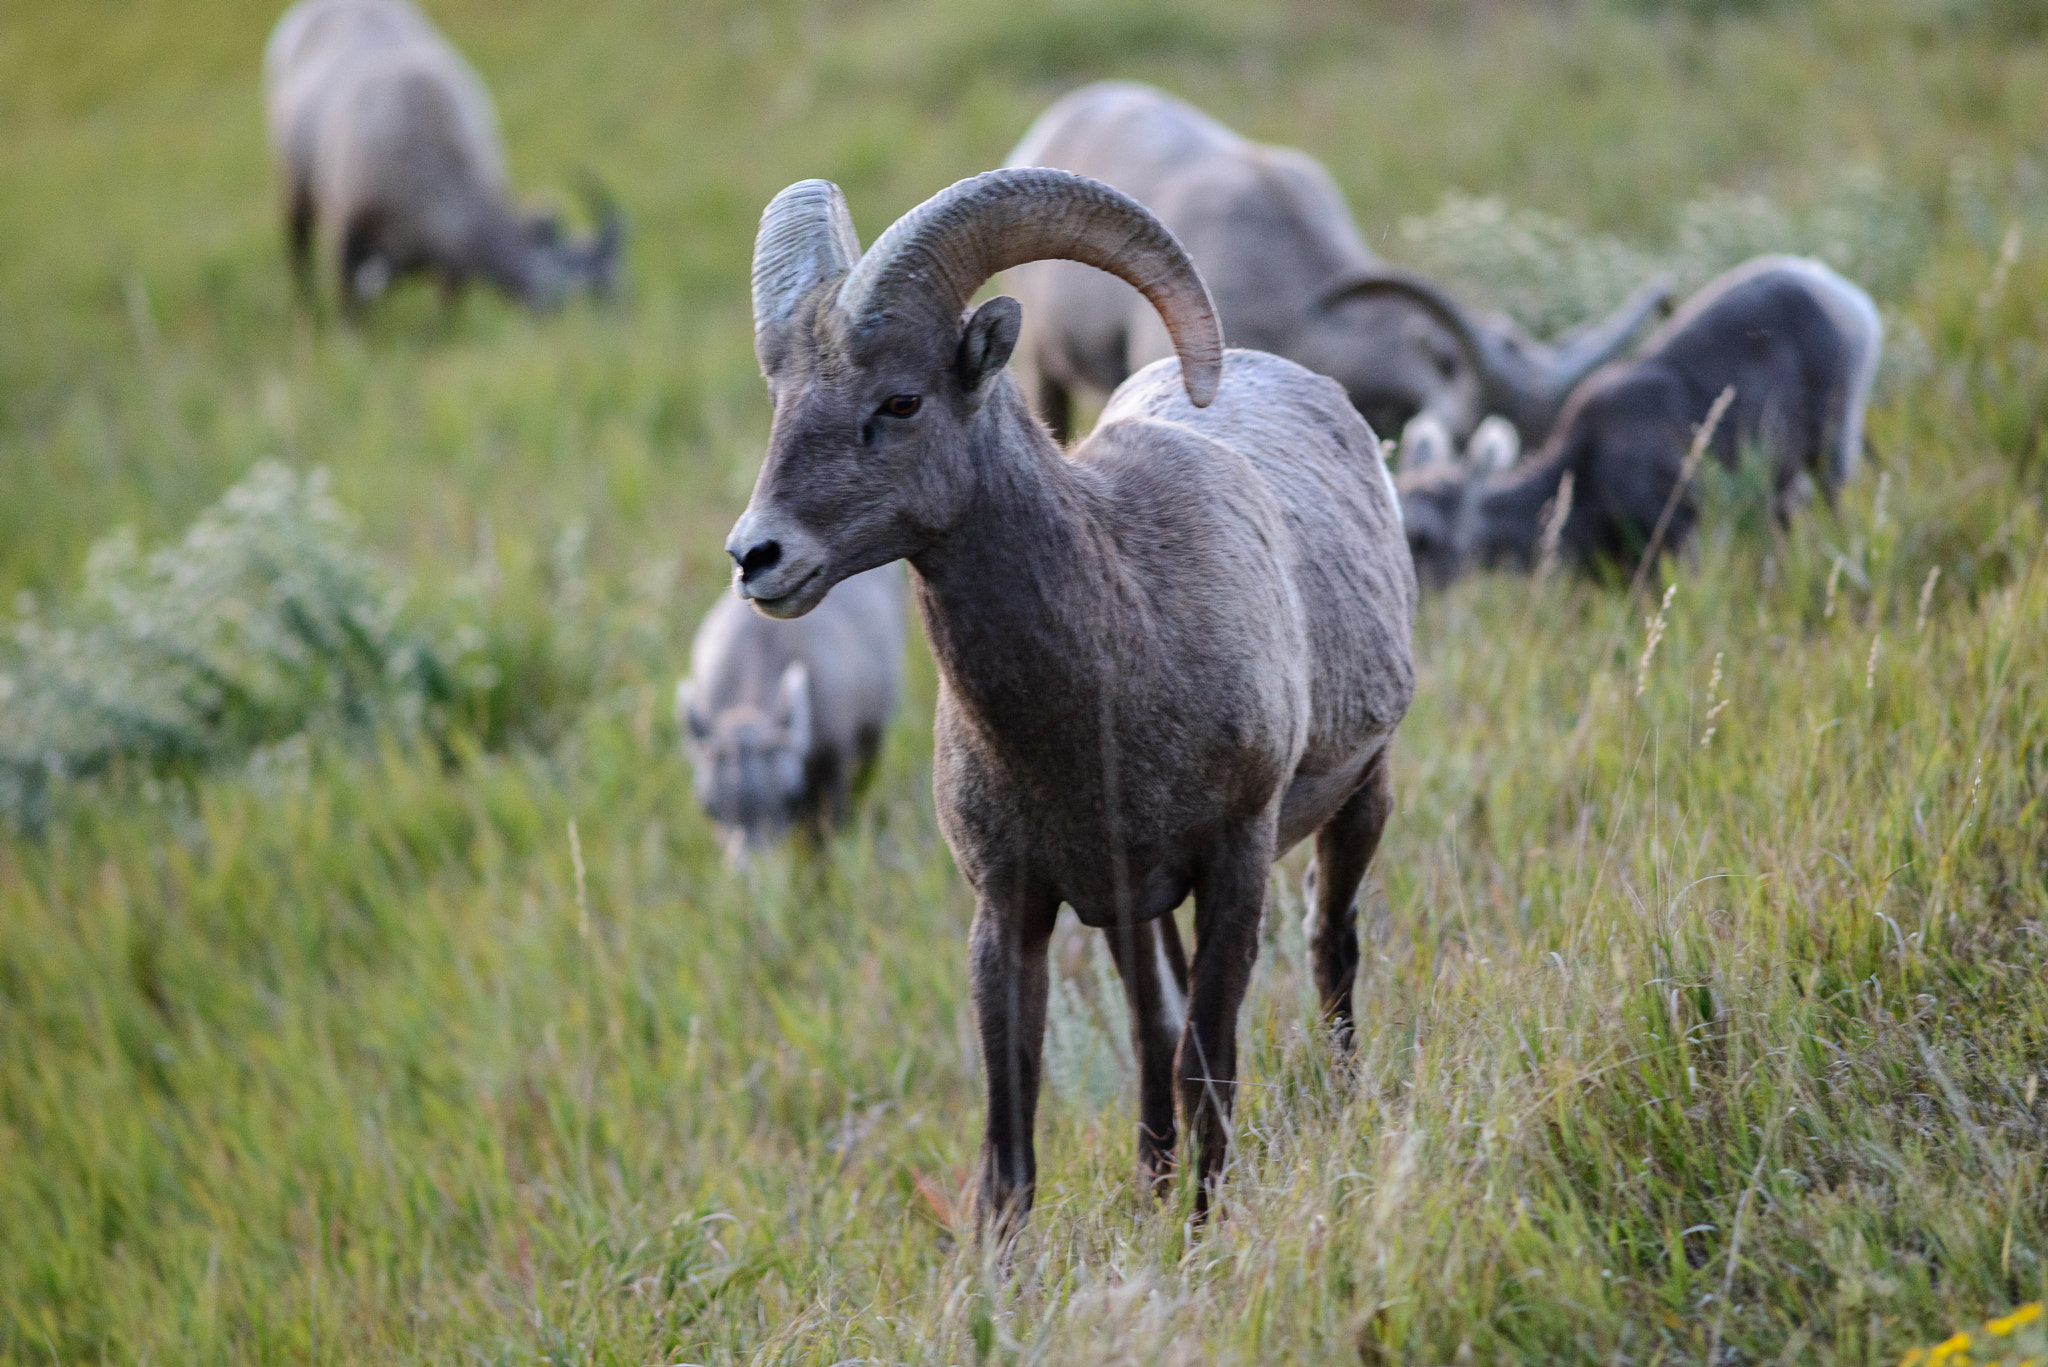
783, 719
1164, 658
388, 150
1290, 274
1799, 345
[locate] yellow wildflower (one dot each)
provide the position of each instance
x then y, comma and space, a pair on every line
2005, 1324
1951, 1348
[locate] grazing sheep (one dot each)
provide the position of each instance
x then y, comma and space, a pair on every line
388, 150
782, 720
1164, 658
1290, 274
1797, 342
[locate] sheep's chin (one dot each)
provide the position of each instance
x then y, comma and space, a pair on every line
809, 592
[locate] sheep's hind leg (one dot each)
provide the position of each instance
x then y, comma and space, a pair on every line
1013, 923
1344, 850
1230, 900
1154, 974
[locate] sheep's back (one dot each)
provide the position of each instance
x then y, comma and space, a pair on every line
1341, 551
311, 50
411, 133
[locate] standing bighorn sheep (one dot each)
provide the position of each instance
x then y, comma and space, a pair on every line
783, 720
1290, 274
389, 154
1797, 342
1164, 658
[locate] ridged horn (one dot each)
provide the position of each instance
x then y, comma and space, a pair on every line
1522, 378
1471, 336
1592, 344
806, 237
932, 260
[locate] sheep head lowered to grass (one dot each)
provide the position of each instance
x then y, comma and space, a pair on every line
389, 153
1163, 659
784, 719
1274, 239
1797, 343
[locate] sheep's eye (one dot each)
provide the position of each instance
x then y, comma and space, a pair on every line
901, 405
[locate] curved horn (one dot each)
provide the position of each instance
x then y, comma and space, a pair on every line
806, 236
603, 209
936, 256
1523, 378
1592, 344
601, 256
1472, 338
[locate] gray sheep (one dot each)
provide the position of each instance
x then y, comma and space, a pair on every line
1164, 658
1799, 344
390, 159
1275, 241
783, 720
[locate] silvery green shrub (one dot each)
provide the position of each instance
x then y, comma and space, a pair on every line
1548, 273
264, 621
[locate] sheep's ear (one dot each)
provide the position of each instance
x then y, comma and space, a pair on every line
686, 717
1425, 442
794, 699
1495, 446
990, 337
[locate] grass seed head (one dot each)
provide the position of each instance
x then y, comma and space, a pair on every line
1926, 599
1654, 632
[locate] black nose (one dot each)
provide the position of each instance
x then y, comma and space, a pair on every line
762, 556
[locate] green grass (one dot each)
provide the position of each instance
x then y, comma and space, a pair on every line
1674, 1050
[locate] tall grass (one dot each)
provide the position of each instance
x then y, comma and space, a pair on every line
1678, 1047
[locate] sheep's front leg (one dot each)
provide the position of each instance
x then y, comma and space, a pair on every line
298, 237
1155, 976
1230, 897
1012, 927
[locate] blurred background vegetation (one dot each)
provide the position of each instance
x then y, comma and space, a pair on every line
1707, 1013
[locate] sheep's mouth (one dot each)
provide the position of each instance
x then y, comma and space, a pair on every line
789, 597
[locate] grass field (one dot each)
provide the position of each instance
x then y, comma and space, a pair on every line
1705, 1011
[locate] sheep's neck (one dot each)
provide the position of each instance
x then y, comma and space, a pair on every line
1511, 510
501, 252
1018, 596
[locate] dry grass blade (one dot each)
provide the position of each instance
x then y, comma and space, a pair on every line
1686, 472
1553, 526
